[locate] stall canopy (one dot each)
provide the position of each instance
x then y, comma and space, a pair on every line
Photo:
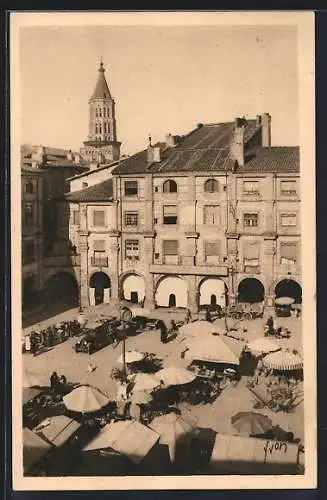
212, 349
283, 360
145, 382
57, 430
243, 455
130, 438
172, 429
34, 449
263, 345
284, 301
131, 357
250, 423
175, 376
85, 399
198, 329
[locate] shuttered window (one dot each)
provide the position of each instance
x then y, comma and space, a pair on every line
288, 219
211, 186
131, 188
170, 214
251, 257
211, 214
99, 245
170, 247
75, 216
132, 249
99, 218
170, 186
212, 252
251, 187
288, 187
288, 253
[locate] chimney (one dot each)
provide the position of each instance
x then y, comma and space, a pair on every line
170, 140
154, 155
69, 155
237, 142
266, 130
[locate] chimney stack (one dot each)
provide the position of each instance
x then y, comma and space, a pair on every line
69, 155
266, 130
170, 141
237, 142
154, 154
39, 155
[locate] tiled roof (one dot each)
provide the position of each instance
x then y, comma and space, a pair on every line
90, 172
274, 159
99, 192
101, 90
53, 157
204, 149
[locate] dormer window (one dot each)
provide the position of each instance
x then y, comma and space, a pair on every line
170, 186
211, 186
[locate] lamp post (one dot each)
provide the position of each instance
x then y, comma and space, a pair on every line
125, 317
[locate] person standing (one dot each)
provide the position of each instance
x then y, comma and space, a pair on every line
188, 317
208, 314
163, 332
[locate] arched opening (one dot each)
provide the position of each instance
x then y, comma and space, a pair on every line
133, 288
211, 186
100, 282
29, 293
251, 290
63, 287
172, 300
169, 186
289, 288
171, 292
212, 292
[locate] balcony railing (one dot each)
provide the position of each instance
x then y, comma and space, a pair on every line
99, 261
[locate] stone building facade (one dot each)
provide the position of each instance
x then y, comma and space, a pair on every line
209, 218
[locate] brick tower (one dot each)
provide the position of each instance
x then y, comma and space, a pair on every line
102, 145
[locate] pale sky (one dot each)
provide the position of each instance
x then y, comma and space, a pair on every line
164, 79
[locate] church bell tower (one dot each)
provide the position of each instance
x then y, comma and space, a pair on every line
102, 145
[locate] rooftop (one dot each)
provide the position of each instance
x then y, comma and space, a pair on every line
99, 192
52, 157
207, 149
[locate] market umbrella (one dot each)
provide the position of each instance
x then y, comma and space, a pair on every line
140, 397
85, 399
172, 428
31, 379
175, 376
284, 301
250, 423
212, 349
263, 345
145, 382
128, 437
283, 360
34, 448
58, 429
131, 357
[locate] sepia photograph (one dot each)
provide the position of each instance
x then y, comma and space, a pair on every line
163, 250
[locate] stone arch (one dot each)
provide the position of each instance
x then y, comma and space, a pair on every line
289, 288
171, 291
100, 287
132, 287
250, 290
62, 286
212, 291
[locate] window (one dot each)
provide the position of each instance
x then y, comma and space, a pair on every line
105, 128
29, 211
98, 218
170, 251
104, 112
211, 252
288, 188
211, 186
132, 249
250, 187
211, 214
99, 254
170, 186
131, 188
251, 257
96, 128
75, 216
288, 253
288, 220
131, 219
170, 214
99, 246
28, 252
84, 185
250, 220
29, 187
